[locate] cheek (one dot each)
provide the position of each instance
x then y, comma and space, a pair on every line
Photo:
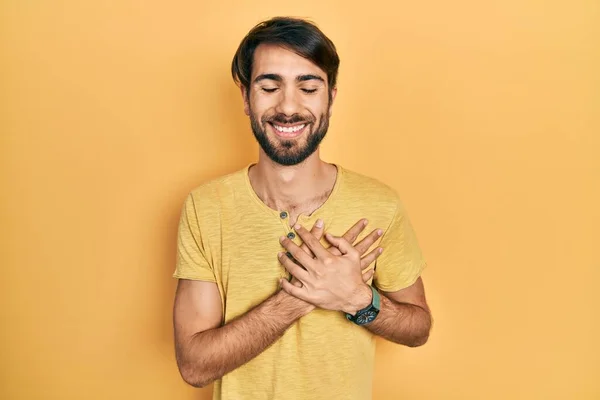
261, 106
318, 106
319, 101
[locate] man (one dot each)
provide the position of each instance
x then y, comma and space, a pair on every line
265, 308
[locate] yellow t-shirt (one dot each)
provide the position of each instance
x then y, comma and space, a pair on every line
227, 235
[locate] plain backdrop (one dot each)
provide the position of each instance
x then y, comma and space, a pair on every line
484, 116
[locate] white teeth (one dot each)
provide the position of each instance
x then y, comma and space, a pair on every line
289, 129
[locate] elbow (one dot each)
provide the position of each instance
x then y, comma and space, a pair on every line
421, 336
418, 340
196, 383
193, 377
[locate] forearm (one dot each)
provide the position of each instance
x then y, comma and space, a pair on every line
401, 323
211, 354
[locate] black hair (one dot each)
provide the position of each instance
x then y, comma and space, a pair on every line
298, 35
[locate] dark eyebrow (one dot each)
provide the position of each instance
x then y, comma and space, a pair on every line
272, 77
304, 78
279, 78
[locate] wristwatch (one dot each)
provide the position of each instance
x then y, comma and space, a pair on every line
369, 313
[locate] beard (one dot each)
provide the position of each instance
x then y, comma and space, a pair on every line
289, 152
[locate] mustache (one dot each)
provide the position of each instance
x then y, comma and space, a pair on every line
283, 119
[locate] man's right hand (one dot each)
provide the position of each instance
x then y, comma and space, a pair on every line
351, 235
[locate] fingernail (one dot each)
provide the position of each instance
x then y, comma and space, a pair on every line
380, 250
319, 223
297, 226
365, 222
280, 254
379, 232
281, 239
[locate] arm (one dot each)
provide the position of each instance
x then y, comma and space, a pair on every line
404, 316
332, 282
205, 350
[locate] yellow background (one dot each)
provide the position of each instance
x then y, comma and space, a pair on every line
483, 115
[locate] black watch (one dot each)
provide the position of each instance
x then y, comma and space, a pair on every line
369, 313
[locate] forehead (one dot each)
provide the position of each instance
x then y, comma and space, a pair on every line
273, 59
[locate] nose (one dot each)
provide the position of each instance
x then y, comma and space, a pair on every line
288, 102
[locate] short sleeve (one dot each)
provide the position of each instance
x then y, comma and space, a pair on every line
401, 262
192, 261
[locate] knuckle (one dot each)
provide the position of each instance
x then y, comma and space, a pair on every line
328, 260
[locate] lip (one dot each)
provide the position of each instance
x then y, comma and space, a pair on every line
288, 135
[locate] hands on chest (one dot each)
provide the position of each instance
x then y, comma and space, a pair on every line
332, 278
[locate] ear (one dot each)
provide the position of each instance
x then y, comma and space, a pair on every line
333, 94
246, 100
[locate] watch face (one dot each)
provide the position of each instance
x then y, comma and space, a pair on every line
367, 317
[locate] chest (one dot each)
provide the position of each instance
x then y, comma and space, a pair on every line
300, 211
244, 254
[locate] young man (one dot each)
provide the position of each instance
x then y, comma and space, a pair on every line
264, 307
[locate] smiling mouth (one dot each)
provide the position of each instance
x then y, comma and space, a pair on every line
288, 131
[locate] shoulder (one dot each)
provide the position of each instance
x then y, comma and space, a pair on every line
214, 194
216, 189
365, 189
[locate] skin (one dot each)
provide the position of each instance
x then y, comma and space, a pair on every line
334, 279
333, 282
206, 350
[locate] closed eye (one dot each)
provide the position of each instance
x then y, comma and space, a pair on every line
309, 91
269, 90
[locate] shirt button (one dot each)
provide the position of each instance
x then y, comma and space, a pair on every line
291, 235
283, 215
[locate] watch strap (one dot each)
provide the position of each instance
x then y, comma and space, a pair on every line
375, 304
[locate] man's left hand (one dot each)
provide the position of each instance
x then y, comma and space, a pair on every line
330, 281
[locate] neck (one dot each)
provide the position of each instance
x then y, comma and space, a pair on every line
283, 187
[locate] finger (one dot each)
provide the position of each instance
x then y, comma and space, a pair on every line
355, 231
317, 229
341, 243
361, 246
305, 249
293, 268
313, 243
299, 255
294, 281
368, 241
334, 250
368, 275
293, 290
317, 232
369, 258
